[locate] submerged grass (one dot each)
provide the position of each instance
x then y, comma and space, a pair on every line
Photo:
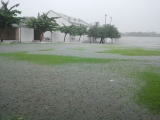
133, 52
53, 59
78, 49
46, 50
147, 78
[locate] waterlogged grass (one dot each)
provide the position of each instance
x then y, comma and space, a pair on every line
111, 46
46, 50
149, 94
13, 117
53, 59
148, 79
4, 43
78, 49
133, 52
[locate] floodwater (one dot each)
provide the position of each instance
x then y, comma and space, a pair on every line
150, 42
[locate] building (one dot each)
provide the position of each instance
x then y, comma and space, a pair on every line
22, 33
67, 20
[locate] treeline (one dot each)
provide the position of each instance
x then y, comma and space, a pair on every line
141, 34
93, 31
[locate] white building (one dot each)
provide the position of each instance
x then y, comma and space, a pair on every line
22, 33
67, 20
19, 33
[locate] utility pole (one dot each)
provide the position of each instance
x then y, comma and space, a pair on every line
111, 20
105, 18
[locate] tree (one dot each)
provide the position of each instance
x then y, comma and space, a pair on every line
81, 30
43, 23
8, 17
93, 31
113, 32
90, 33
102, 34
65, 30
105, 31
72, 30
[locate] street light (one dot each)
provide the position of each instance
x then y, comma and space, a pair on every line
111, 20
105, 18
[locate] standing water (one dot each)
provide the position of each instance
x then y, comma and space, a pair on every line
151, 42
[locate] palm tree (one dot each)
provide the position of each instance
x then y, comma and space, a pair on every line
8, 17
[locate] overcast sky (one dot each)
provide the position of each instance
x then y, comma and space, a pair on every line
127, 15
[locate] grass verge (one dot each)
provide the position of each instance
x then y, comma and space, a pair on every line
133, 52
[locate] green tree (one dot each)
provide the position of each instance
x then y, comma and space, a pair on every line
113, 32
90, 33
43, 23
8, 17
81, 30
65, 30
93, 31
102, 32
72, 30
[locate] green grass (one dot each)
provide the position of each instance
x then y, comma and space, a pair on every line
53, 59
149, 94
46, 50
133, 52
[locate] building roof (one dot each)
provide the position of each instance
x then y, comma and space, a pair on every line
70, 19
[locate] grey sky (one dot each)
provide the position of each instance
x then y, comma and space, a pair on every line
128, 15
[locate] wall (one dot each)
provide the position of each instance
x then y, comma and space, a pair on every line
11, 33
27, 34
47, 34
58, 36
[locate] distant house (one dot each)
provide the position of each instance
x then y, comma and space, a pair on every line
67, 20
